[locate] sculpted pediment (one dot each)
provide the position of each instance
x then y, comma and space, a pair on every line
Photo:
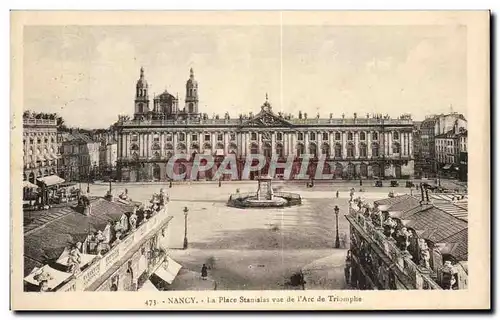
267, 119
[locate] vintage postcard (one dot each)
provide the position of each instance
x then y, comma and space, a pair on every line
278, 160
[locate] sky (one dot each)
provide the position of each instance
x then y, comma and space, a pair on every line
87, 74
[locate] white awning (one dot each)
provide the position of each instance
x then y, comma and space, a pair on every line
168, 270
207, 151
86, 258
446, 167
27, 184
54, 277
148, 286
219, 152
51, 180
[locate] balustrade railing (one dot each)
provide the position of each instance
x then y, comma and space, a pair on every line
33, 121
419, 275
84, 279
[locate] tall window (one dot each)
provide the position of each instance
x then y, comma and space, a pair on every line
300, 149
362, 150
325, 135
375, 150
279, 136
194, 137
337, 135
349, 136
232, 136
312, 136
396, 148
350, 150
254, 136
207, 136
156, 138
182, 136
375, 136
395, 135
220, 137
362, 136
338, 150
300, 136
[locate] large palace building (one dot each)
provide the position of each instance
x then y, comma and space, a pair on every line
373, 146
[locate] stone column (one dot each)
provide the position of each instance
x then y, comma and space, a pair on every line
331, 142
344, 144
410, 143
293, 142
226, 143
259, 141
356, 145
369, 144
306, 142
175, 141
188, 143
390, 143
247, 143
214, 141
273, 142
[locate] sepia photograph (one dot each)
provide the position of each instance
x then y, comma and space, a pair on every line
250, 160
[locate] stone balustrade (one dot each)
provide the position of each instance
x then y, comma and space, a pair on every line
419, 276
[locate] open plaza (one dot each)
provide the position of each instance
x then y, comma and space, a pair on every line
258, 249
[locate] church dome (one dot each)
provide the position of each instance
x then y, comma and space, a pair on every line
191, 81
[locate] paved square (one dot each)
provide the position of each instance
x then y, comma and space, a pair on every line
255, 249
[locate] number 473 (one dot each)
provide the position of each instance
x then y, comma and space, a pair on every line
150, 303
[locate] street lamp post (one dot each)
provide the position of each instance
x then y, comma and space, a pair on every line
186, 210
337, 240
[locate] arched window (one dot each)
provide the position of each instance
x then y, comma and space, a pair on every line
338, 150
362, 150
300, 149
325, 149
141, 108
279, 150
350, 150
313, 150
191, 109
396, 148
375, 150
362, 136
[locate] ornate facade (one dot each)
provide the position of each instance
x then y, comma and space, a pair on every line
355, 147
40, 147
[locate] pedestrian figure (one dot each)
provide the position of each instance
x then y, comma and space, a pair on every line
204, 272
170, 184
347, 268
337, 193
220, 183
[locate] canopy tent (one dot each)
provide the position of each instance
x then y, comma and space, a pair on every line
168, 270
148, 286
29, 185
447, 166
51, 180
86, 258
188, 280
54, 277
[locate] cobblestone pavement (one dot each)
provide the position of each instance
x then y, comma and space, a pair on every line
256, 249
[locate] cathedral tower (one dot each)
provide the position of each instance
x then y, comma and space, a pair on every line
191, 106
141, 96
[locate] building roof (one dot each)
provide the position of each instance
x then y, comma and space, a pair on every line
457, 245
78, 137
46, 237
442, 221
